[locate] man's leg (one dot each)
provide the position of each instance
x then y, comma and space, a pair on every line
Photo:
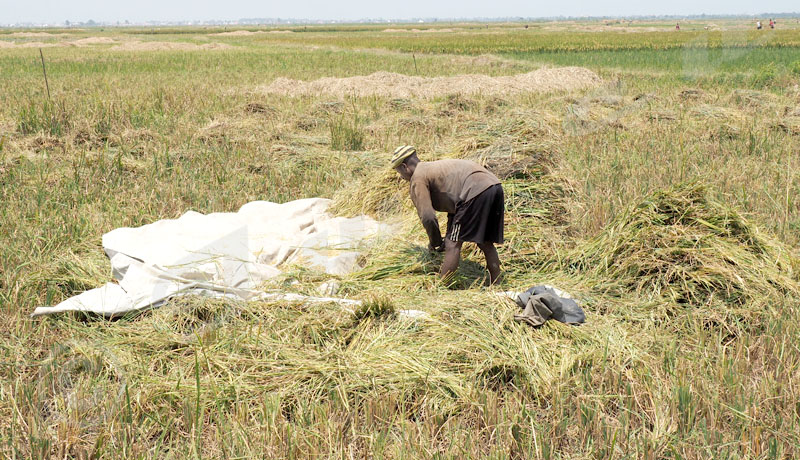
492, 261
452, 255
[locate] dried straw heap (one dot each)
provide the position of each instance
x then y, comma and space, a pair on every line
395, 85
684, 246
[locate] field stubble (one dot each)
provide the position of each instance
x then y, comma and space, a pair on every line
666, 203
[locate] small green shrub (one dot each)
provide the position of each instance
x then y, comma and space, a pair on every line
766, 76
48, 116
346, 133
795, 67
106, 116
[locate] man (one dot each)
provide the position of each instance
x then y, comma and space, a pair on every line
471, 196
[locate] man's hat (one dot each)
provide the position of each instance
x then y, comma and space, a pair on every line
401, 153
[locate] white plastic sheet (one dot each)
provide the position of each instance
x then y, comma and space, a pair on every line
222, 254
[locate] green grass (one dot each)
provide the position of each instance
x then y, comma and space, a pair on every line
521, 40
665, 199
346, 132
682, 62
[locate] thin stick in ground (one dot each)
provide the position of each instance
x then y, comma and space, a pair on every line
44, 70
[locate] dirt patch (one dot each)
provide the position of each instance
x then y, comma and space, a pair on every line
691, 94
308, 123
257, 107
169, 46
789, 125
662, 115
403, 86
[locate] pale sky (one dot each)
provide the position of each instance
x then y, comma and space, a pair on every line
51, 11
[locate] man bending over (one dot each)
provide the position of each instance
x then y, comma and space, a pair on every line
471, 196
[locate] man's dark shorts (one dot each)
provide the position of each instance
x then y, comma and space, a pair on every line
479, 220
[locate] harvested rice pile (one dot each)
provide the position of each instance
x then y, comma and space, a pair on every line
686, 247
35, 34
168, 46
236, 33
403, 86
79, 43
94, 41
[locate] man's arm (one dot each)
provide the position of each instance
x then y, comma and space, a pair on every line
421, 197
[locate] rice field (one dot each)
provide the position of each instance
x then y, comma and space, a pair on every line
663, 197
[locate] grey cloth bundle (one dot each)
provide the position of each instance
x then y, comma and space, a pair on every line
541, 303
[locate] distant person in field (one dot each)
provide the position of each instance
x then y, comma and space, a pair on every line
771, 24
677, 26
758, 25
471, 196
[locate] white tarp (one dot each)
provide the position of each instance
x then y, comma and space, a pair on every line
222, 254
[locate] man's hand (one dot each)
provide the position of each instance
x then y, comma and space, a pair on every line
433, 248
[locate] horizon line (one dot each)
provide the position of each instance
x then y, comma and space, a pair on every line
376, 21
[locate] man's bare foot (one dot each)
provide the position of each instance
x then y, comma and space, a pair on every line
494, 278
